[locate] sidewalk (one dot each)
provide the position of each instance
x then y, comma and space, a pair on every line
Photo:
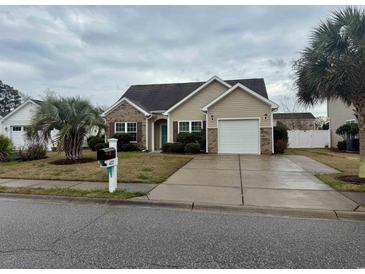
130, 187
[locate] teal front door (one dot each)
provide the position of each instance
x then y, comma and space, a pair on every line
163, 134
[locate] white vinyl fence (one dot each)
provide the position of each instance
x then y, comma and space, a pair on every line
308, 138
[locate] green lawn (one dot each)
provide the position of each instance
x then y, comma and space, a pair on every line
133, 167
347, 163
97, 193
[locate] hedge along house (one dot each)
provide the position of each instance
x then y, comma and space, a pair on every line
236, 115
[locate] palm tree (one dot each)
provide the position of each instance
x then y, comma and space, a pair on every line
333, 66
72, 117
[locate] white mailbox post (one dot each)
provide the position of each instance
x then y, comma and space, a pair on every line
108, 158
113, 169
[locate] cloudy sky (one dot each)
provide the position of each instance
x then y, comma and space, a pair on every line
97, 52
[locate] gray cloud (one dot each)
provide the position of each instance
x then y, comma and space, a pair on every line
98, 51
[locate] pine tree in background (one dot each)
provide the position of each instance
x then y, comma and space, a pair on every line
9, 98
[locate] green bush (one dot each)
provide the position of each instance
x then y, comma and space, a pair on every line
348, 130
123, 138
192, 148
186, 137
194, 137
129, 147
33, 152
177, 147
101, 145
342, 145
6, 148
280, 138
166, 148
280, 146
92, 141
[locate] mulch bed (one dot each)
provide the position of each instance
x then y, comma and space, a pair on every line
352, 179
70, 162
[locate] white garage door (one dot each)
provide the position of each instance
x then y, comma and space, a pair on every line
238, 136
18, 136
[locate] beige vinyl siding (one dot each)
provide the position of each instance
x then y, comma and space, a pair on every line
239, 104
338, 113
191, 109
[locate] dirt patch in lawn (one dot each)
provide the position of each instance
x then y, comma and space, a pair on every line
352, 179
71, 162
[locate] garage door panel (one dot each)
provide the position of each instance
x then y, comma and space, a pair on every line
238, 136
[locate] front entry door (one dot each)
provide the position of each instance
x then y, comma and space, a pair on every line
163, 133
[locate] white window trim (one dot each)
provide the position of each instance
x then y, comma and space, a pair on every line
190, 125
125, 129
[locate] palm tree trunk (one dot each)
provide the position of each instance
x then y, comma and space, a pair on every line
362, 146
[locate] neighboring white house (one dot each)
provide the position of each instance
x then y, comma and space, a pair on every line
13, 125
338, 114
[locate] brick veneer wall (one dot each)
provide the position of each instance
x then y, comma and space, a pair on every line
127, 113
266, 140
212, 140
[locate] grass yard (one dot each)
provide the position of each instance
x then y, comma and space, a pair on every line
347, 163
97, 193
133, 167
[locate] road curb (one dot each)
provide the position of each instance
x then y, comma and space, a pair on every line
273, 211
109, 201
351, 215
288, 212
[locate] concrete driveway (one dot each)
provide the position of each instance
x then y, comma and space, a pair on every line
265, 181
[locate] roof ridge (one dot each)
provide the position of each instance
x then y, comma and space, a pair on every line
195, 82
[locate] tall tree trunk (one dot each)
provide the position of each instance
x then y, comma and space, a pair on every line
362, 146
360, 114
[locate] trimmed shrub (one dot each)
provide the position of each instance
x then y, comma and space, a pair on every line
280, 138
101, 145
177, 147
342, 145
194, 137
129, 147
6, 148
123, 138
166, 148
33, 152
192, 148
186, 137
92, 141
280, 146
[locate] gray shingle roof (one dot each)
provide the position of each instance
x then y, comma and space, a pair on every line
294, 115
163, 96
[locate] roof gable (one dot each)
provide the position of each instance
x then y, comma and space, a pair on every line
164, 96
125, 99
29, 101
244, 89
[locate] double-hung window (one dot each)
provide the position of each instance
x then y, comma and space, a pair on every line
190, 126
129, 128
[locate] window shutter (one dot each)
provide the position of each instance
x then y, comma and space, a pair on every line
175, 130
111, 129
204, 125
139, 132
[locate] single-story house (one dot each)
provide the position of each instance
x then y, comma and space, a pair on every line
296, 120
338, 113
236, 114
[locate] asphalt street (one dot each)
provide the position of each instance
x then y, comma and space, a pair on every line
48, 234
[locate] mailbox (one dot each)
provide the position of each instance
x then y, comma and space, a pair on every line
107, 157
106, 154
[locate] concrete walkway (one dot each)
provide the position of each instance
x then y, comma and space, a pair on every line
262, 181
131, 187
